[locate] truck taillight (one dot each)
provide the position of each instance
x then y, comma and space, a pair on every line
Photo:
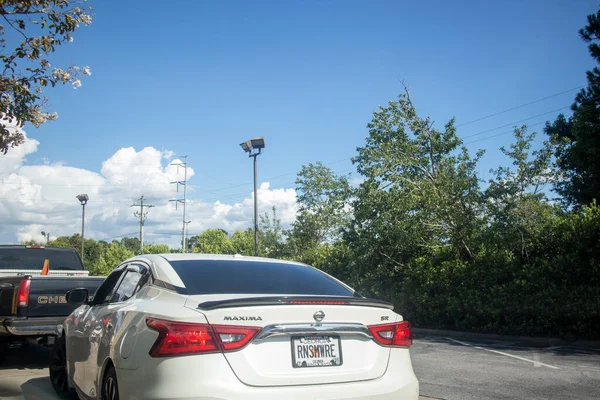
23, 294
184, 338
398, 334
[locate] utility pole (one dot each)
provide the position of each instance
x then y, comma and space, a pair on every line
186, 235
184, 184
142, 216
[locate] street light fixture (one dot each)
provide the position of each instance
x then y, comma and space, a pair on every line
254, 147
83, 199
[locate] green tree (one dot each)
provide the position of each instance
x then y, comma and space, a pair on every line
73, 242
420, 200
131, 244
271, 241
99, 268
115, 254
35, 29
577, 139
156, 249
242, 242
323, 199
213, 241
94, 254
421, 184
93, 257
516, 200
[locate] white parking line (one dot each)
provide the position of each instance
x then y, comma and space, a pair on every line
535, 363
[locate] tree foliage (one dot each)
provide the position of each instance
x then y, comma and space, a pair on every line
420, 190
577, 139
114, 255
30, 31
271, 240
323, 213
213, 241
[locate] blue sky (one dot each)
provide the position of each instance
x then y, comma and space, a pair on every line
199, 77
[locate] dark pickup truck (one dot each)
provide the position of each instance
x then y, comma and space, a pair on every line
33, 285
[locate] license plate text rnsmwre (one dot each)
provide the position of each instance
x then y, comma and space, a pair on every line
316, 351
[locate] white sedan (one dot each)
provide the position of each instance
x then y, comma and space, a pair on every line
189, 326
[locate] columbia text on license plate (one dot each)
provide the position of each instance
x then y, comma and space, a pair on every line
316, 351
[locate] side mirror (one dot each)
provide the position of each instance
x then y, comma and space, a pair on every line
77, 296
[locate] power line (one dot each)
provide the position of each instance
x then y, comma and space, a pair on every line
516, 122
501, 134
271, 177
115, 237
280, 186
520, 106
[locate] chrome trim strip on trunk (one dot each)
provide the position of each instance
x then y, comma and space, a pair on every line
313, 329
294, 300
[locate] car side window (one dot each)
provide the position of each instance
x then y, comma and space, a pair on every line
127, 287
105, 291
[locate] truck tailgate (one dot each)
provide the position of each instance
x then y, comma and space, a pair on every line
47, 294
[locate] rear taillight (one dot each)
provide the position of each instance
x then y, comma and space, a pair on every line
23, 294
394, 335
184, 338
234, 337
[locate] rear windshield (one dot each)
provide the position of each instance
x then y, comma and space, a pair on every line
22, 258
255, 277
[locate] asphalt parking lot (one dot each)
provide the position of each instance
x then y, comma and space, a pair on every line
447, 368
453, 369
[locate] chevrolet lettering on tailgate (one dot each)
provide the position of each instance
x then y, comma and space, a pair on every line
52, 299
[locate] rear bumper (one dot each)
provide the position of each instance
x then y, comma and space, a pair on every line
213, 379
32, 326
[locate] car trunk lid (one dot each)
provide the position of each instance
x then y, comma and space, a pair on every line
302, 340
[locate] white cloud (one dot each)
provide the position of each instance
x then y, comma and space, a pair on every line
35, 198
16, 156
168, 154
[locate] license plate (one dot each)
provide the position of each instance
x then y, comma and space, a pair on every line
316, 351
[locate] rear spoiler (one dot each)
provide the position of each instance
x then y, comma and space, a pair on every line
294, 300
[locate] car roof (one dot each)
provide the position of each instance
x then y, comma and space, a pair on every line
201, 256
163, 270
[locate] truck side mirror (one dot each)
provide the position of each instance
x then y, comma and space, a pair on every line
77, 296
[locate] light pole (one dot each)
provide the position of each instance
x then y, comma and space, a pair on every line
254, 147
46, 236
83, 199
